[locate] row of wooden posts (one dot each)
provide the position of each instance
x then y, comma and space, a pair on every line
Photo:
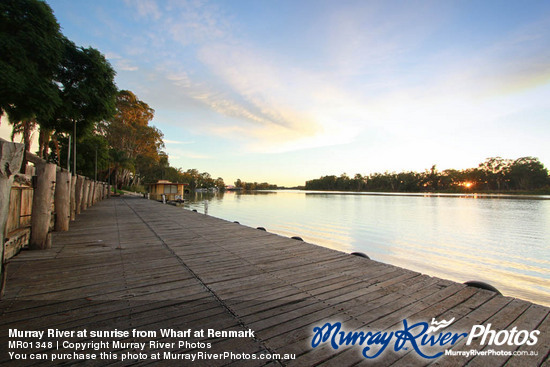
70, 194
56, 191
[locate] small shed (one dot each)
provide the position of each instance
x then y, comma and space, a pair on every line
173, 191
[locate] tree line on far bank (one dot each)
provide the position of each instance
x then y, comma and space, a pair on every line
526, 174
68, 93
255, 185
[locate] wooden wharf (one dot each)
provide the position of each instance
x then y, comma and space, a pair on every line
130, 263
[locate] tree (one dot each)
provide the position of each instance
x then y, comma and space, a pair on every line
120, 163
46, 78
220, 184
431, 178
85, 81
495, 169
408, 181
25, 128
86, 87
359, 182
128, 130
32, 46
92, 148
528, 173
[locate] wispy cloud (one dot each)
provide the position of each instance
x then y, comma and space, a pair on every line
167, 141
179, 154
239, 81
120, 63
146, 8
179, 79
192, 22
125, 65
369, 68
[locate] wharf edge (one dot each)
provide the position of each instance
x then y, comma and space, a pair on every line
130, 263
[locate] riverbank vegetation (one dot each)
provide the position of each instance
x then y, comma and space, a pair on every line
68, 93
255, 185
522, 175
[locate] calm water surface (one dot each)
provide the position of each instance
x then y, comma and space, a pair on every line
505, 242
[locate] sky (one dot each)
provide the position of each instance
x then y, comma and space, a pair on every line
287, 91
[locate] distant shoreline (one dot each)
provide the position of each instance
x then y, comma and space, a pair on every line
482, 195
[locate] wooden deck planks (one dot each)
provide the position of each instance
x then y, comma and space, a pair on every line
136, 263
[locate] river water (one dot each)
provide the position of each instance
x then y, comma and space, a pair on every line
502, 241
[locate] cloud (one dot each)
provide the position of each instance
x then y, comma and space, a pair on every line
271, 101
125, 65
180, 79
113, 56
178, 142
178, 154
230, 79
121, 63
260, 100
190, 22
146, 8
368, 69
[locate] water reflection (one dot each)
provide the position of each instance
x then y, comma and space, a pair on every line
504, 242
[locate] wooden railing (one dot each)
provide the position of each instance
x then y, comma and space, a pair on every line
18, 227
45, 199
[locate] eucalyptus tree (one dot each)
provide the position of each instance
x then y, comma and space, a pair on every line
129, 131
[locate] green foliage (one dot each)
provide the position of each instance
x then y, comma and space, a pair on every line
86, 89
135, 146
495, 174
128, 129
255, 185
46, 79
88, 144
527, 173
258, 186
44, 75
31, 44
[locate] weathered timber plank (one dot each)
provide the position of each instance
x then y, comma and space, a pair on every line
537, 353
529, 320
132, 263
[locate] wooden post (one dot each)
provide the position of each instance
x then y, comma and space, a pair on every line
42, 206
73, 197
79, 191
96, 192
85, 189
91, 193
62, 200
11, 156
